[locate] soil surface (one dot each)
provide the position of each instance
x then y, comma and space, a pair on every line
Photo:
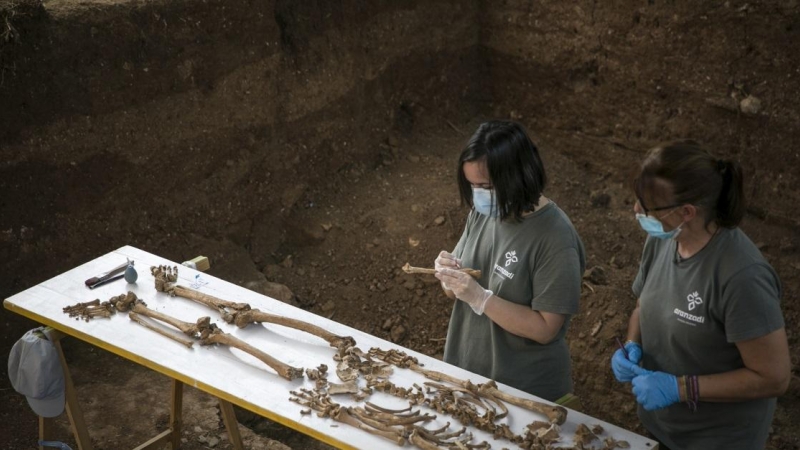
324, 217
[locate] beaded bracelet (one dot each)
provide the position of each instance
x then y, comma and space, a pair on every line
691, 390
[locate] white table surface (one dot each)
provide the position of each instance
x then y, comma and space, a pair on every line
240, 378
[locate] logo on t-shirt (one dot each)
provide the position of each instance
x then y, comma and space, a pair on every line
511, 257
694, 301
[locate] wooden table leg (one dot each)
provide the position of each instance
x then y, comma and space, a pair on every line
46, 426
171, 436
231, 424
73, 409
176, 411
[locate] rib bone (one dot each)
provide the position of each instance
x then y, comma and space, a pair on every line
555, 414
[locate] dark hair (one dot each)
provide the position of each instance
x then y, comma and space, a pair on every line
513, 165
696, 177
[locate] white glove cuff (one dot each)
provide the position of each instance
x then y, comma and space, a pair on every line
481, 305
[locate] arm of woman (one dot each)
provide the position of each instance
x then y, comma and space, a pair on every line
521, 320
634, 332
766, 372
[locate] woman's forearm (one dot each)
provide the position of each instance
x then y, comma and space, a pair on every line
524, 321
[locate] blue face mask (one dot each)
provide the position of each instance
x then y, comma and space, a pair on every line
655, 228
483, 200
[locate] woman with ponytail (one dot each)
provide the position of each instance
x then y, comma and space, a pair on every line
707, 353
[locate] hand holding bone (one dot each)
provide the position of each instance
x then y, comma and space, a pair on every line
446, 260
465, 288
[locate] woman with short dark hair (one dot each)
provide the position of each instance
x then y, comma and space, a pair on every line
509, 325
707, 328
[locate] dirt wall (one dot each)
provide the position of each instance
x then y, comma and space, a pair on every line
627, 75
108, 101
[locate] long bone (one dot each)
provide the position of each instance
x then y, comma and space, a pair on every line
190, 329
555, 414
340, 343
166, 281
240, 313
408, 268
219, 337
208, 334
141, 321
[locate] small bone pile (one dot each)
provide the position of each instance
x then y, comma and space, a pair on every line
89, 310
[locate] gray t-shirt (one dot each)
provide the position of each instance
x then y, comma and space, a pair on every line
537, 262
692, 313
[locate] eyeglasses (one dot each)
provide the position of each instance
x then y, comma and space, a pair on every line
660, 208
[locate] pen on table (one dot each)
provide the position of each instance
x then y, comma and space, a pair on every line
625, 352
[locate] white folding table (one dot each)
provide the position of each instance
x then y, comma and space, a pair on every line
236, 377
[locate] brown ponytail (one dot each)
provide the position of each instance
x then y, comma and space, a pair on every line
731, 203
712, 185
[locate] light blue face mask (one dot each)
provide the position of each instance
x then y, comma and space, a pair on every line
655, 228
483, 200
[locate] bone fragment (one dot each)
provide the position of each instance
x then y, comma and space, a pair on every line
408, 268
350, 387
123, 302
79, 306
417, 440
584, 434
141, 321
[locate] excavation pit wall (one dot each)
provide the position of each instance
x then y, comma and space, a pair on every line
203, 115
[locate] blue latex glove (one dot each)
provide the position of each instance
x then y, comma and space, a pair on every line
655, 390
625, 368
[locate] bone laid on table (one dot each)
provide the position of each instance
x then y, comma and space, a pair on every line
240, 378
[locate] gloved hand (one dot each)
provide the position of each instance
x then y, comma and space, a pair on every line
466, 288
625, 367
446, 260
655, 390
